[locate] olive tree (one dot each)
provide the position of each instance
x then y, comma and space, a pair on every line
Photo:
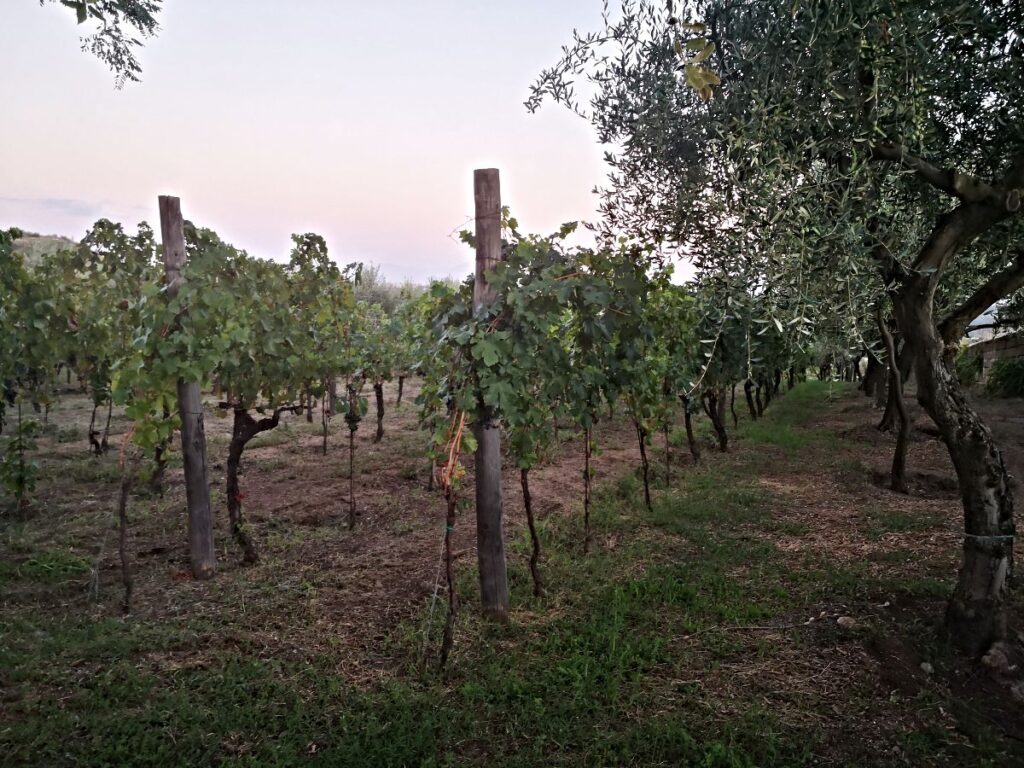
869, 150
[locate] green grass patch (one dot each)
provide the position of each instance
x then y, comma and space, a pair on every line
52, 567
879, 522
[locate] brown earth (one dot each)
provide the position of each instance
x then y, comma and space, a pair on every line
323, 590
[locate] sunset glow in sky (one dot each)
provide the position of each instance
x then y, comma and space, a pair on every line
360, 121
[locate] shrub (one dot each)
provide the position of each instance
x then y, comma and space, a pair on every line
18, 472
968, 367
1006, 378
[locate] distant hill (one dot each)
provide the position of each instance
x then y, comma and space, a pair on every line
34, 248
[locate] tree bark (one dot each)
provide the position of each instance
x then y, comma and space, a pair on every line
732, 406
190, 409
714, 405
448, 638
586, 489
668, 453
688, 423
904, 365
325, 416
378, 391
122, 540
490, 536
899, 461
94, 442
494, 593
975, 615
156, 479
524, 479
874, 376
401, 387
332, 394
106, 429
748, 388
244, 429
882, 385
641, 436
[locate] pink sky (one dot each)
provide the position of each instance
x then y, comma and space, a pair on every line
360, 121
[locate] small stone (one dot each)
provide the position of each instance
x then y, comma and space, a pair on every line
927, 668
997, 659
846, 622
1018, 692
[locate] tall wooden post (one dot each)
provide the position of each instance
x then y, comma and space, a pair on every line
190, 407
490, 541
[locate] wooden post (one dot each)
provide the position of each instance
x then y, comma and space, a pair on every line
490, 542
190, 408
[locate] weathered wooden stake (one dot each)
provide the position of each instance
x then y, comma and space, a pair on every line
490, 542
190, 408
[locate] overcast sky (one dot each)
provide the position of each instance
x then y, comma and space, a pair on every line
360, 121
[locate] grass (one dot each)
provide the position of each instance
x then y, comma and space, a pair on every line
590, 684
648, 651
879, 522
53, 567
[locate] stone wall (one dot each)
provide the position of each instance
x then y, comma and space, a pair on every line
1010, 345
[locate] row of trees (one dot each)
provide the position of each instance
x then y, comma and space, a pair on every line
565, 334
859, 170
569, 334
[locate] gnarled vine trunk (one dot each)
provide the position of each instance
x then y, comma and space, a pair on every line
156, 479
524, 479
587, 449
448, 638
244, 429
94, 435
106, 429
641, 436
401, 388
122, 539
325, 417
378, 392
